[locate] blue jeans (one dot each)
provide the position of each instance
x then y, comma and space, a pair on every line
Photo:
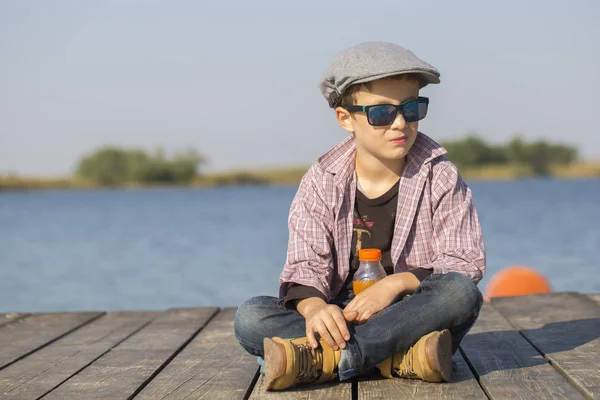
442, 301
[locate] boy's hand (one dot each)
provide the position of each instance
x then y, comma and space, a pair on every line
326, 319
372, 300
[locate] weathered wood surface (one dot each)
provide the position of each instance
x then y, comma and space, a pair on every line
565, 328
124, 370
336, 390
463, 385
595, 297
25, 336
6, 319
42, 371
213, 366
499, 355
543, 346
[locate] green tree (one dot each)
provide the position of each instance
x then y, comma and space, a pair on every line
107, 166
518, 151
541, 157
473, 151
113, 166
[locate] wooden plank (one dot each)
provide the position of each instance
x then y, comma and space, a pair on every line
47, 368
565, 327
463, 385
507, 365
212, 366
121, 372
332, 390
20, 339
9, 318
595, 297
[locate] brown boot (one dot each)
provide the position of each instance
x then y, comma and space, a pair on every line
430, 359
290, 362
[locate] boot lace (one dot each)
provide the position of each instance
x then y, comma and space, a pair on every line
311, 362
405, 369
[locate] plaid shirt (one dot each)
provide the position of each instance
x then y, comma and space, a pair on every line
437, 226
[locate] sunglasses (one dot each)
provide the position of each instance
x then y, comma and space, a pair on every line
385, 114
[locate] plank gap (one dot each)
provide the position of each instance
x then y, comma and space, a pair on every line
252, 384
474, 372
563, 328
516, 328
127, 366
463, 385
546, 357
95, 359
170, 358
212, 366
570, 379
52, 341
354, 389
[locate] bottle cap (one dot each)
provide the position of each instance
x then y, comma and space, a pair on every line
369, 255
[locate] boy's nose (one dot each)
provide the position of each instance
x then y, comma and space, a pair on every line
399, 122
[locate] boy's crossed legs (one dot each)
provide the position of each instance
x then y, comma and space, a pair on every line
442, 301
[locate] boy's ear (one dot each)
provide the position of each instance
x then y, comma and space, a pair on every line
344, 119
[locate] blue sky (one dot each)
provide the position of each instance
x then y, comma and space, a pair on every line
238, 80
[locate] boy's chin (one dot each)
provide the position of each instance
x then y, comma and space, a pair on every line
397, 154
391, 157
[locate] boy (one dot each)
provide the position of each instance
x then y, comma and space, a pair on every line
386, 186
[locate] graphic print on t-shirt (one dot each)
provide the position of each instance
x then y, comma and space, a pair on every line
373, 226
361, 226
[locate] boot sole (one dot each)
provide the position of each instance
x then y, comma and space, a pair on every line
438, 351
275, 361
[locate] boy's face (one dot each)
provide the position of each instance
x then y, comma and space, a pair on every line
391, 142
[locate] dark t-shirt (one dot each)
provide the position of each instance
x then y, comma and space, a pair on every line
372, 227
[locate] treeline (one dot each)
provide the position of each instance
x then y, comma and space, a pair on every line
539, 155
115, 166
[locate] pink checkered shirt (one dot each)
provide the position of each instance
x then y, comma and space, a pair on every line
437, 226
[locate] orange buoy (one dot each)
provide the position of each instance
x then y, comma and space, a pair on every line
516, 281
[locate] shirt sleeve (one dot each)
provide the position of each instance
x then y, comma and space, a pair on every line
309, 260
457, 237
297, 292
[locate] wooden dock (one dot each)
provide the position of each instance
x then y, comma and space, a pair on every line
532, 347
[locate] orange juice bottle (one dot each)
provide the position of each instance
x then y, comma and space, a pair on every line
369, 270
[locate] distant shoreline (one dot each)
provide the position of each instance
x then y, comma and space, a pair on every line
291, 176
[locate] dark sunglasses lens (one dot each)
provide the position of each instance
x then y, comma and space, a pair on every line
423, 107
382, 115
414, 110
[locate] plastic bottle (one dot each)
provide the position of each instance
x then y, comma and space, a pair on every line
369, 270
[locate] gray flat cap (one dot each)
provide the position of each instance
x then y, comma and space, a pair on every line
370, 61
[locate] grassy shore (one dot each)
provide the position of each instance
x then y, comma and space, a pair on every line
512, 172
292, 176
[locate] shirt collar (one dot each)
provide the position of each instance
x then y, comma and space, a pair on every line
339, 161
